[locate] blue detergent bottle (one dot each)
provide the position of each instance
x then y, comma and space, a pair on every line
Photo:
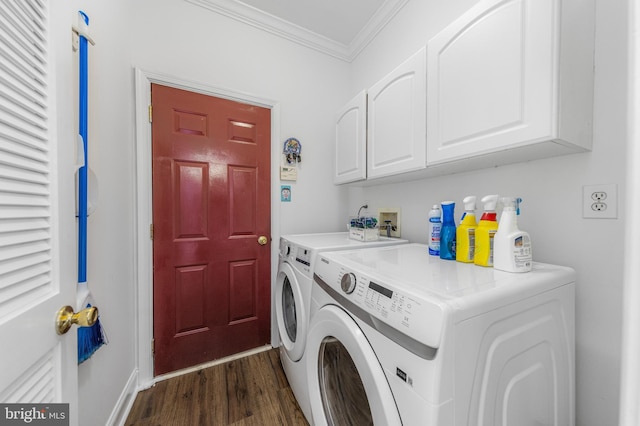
448, 232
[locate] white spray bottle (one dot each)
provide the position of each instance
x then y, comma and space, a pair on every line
511, 246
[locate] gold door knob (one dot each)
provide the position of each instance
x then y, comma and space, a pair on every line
262, 240
66, 318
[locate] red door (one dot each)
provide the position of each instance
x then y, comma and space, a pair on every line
211, 205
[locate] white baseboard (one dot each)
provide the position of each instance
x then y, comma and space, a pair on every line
127, 397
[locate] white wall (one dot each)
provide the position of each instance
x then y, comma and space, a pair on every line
181, 40
205, 47
110, 269
551, 189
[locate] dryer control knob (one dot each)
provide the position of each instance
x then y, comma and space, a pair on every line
348, 283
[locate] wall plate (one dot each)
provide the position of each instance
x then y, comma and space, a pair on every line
600, 201
392, 214
288, 173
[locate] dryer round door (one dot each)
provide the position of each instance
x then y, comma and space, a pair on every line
347, 385
290, 312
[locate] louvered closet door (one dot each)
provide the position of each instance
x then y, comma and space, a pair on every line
37, 365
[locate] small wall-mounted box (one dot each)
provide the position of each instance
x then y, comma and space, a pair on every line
389, 222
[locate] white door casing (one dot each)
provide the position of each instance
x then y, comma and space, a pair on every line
144, 253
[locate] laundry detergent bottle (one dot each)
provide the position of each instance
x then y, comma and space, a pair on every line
448, 232
435, 225
466, 232
485, 232
512, 247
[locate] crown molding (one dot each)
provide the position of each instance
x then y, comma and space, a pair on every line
378, 21
272, 24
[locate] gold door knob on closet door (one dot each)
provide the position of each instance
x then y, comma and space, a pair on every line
262, 240
66, 318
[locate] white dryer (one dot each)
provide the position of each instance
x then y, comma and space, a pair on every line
398, 337
298, 255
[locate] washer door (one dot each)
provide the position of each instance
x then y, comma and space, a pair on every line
290, 312
347, 385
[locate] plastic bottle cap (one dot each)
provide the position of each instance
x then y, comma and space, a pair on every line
508, 203
490, 202
511, 203
469, 203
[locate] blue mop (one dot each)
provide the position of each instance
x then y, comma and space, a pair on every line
90, 339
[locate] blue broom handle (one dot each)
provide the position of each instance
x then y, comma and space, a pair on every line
82, 176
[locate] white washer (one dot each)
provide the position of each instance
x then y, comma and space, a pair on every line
398, 337
298, 255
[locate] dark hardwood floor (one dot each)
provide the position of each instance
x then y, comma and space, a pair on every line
248, 391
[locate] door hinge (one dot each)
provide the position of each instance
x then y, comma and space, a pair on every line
151, 232
150, 113
153, 346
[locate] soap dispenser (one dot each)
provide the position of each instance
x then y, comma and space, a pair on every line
485, 232
466, 232
512, 247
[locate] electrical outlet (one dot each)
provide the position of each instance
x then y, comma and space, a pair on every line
600, 201
599, 196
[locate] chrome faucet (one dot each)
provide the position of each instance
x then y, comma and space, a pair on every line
389, 227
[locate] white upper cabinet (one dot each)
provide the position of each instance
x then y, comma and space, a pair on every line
396, 139
351, 141
511, 78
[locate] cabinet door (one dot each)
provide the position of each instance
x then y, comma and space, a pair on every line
492, 79
351, 141
396, 140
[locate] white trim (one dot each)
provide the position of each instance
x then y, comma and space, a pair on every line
378, 21
630, 371
272, 24
224, 360
125, 402
144, 212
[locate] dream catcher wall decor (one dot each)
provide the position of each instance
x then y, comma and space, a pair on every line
291, 150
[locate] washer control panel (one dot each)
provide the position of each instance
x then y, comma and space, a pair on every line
387, 303
417, 317
348, 283
298, 256
303, 258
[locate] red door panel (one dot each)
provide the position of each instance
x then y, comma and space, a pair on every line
211, 203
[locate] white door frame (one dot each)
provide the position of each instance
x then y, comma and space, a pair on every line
630, 370
144, 211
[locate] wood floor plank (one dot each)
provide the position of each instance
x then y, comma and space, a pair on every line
289, 405
148, 402
244, 392
177, 401
238, 407
274, 361
214, 394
